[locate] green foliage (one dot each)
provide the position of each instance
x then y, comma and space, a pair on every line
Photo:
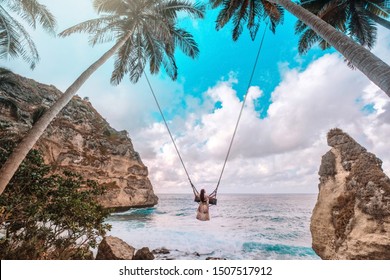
46, 216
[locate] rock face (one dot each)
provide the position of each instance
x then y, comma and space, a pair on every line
351, 219
79, 140
113, 248
143, 254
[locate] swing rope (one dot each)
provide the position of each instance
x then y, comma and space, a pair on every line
170, 134
242, 109
214, 193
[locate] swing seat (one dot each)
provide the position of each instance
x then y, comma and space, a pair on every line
212, 200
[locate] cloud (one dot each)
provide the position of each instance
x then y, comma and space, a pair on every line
280, 152
131, 106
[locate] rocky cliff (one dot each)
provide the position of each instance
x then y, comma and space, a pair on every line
351, 219
79, 139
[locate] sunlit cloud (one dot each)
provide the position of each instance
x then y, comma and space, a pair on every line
278, 153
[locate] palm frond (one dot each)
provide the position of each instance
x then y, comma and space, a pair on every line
361, 27
169, 65
34, 13
253, 25
106, 34
324, 44
275, 14
335, 14
314, 6
154, 50
137, 58
46, 19
186, 42
110, 6
25, 47
223, 17
300, 26
307, 40
23, 9
171, 8
237, 30
216, 3
159, 27
121, 65
253, 28
239, 18
90, 26
15, 40
8, 34
379, 9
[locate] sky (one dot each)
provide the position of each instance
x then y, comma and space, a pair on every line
292, 103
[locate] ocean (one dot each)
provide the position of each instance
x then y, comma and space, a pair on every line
242, 227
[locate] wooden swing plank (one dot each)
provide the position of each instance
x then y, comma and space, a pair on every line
212, 200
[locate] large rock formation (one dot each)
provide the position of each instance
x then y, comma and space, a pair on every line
79, 139
351, 219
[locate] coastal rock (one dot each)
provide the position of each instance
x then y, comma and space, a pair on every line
113, 248
351, 219
161, 251
78, 140
143, 254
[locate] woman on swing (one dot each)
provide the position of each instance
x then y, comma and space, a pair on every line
202, 213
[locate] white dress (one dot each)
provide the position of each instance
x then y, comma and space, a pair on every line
202, 213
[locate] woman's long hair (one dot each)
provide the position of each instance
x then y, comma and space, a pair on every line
202, 196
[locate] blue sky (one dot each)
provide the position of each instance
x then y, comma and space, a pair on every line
293, 101
219, 55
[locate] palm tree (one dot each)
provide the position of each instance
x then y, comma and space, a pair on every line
14, 39
144, 31
251, 11
361, 58
379, 11
357, 18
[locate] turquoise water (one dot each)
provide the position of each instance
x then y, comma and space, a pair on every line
241, 227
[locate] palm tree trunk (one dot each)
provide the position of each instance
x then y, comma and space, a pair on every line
9, 168
379, 20
369, 64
